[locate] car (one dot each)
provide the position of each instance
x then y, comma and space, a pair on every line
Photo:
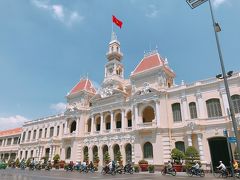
3, 165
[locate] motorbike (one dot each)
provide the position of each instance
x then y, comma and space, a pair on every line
106, 170
197, 172
22, 166
38, 166
171, 171
48, 167
31, 166
128, 169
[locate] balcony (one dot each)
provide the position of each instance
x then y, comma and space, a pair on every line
147, 126
69, 135
128, 129
117, 130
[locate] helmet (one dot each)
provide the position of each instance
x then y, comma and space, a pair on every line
220, 161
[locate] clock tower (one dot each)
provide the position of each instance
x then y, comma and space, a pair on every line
114, 69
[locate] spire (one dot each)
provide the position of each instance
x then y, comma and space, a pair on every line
114, 36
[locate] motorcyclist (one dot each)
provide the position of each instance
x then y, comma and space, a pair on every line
168, 167
84, 166
22, 164
235, 166
91, 167
221, 166
196, 167
110, 165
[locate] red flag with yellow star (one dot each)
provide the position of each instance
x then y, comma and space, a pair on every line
117, 21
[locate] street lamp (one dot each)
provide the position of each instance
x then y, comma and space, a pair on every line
193, 4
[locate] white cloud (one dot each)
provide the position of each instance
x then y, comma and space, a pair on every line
12, 122
217, 3
59, 12
152, 11
59, 107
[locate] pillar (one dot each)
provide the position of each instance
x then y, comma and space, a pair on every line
101, 123
157, 113
184, 108
200, 105
123, 120
111, 128
136, 115
92, 124
189, 139
200, 147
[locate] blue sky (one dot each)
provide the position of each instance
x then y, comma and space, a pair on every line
47, 46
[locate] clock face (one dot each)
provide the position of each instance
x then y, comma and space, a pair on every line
110, 70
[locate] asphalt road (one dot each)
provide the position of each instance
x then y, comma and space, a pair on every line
17, 174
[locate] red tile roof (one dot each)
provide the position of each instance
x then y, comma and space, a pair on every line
11, 132
83, 84
148, 62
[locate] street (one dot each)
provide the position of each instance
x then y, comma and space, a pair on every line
17, 174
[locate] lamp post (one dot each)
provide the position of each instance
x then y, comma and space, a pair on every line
193, 4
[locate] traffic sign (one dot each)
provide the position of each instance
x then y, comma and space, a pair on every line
232, 139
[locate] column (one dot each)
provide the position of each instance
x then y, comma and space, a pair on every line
157, 113
48, 132
200, 147
200, 105
189, 139
26, 137
55, 130
111, 128
123, 120
77, 124
65, 127
122, 150
12, 141
184, 108
37, 134
90, 152
225, 101
60, 130
136, 115
31, 137
92, 124
100, 154
101, 123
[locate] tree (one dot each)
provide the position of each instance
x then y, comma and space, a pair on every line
106, 157
86, 158
177, 155
17, 162
28, 162
119, 156
95, 158
56, 159
191, 155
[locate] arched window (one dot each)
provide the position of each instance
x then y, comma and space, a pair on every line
193, 110
129, 119
73, 127
176, 110
116, 150
180, 146
89, 124
128, 152
148, 150
68, 153
148, 114
118, 120
236, 103
98, 125
214, 108
51, 131
108, 122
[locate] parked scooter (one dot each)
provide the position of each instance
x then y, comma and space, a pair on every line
170, 171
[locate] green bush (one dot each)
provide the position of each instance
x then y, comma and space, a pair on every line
56, 159
17, 162
191, 156
177, 156
136, 168
106, 157
28, 162
151, 168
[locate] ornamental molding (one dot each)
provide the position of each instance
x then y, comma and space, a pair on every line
198, 95
109, 139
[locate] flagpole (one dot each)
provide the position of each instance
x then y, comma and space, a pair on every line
112, 27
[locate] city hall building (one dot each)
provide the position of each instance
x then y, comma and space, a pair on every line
143, 116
